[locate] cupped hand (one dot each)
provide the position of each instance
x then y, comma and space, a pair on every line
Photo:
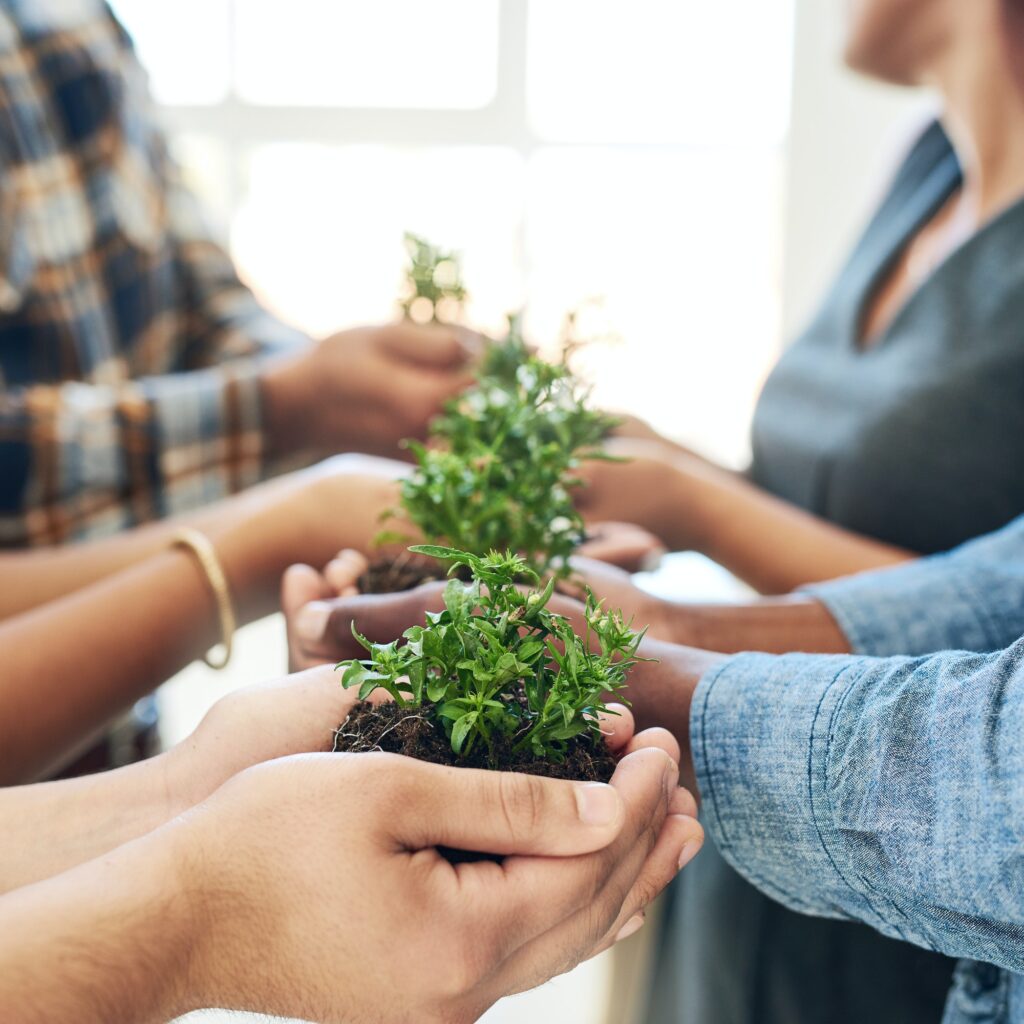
625, 545
652, 486
322, 893
367, 388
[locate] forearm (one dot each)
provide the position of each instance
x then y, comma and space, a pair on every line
109, 940
36, 577
73, 665
770, 544
306, 516
774, 625
51, 827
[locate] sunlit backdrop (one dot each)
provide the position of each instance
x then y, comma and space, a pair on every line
570, 149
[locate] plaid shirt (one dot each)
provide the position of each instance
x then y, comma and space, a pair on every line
129, 349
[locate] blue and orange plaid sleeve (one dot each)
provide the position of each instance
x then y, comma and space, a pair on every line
130, 351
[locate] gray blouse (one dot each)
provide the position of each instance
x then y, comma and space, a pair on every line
917, 439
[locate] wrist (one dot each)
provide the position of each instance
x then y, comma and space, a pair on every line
672, 622
230, 911
202, 863
661, 693
287, 389
259, 541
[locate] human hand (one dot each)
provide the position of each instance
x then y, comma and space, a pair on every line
653, 486
367, 388
616, 589
304, 517
625, 545
660, 690
282, 858
303, 585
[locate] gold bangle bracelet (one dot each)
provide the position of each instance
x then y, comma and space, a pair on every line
198, 544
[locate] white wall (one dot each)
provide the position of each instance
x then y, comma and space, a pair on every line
846, 133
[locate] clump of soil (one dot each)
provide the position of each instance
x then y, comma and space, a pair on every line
386, 577
409, 731
394, 575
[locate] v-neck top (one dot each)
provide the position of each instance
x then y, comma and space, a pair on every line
917, 439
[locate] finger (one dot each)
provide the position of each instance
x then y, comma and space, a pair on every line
301, 584
680, 841
327, 625
677, 843
683, 802
624, 545
505, 813
542, 898
645, 780
655, 737
343, 571
617, 726
598, 576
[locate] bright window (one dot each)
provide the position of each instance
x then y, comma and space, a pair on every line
571, 149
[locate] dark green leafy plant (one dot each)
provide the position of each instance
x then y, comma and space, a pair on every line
497, 667
502, 464
434, 291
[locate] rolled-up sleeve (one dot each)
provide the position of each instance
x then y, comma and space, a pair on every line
889, 791
85, 460
970, 599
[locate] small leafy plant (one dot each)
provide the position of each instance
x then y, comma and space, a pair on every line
497, 669
434, 291
502, 462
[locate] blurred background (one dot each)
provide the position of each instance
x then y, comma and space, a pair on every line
698, 167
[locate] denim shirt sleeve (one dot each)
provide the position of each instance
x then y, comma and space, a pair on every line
970, 599
889, 791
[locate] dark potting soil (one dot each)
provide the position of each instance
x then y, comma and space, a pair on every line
393, 577
403, 573
408, 731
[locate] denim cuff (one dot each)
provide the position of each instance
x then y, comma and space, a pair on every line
916, 609
759, 732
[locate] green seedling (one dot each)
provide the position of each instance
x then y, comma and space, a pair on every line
497, 667
503, 460
434, 291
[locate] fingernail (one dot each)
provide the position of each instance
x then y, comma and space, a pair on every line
631, 927
311, 622
597, 804
690, 850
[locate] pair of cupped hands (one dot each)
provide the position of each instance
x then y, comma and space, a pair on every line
363, 915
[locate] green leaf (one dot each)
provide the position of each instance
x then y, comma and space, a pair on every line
461, 730
568, 732
360, 639
437, 687
529, 650
354, 673
445, 554
451, 710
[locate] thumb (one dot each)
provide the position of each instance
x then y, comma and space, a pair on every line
301, 587
507, 813
301, 584
380, 617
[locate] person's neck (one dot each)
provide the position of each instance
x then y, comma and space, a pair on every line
983, 113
